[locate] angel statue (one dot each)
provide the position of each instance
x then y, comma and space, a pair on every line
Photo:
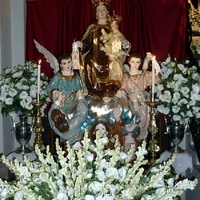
134, 86
65, 89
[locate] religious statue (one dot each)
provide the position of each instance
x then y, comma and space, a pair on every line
116, 47
80, 99
95, 64
69, 108
134, 85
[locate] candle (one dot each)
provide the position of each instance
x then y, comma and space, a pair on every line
38, 81
153, 78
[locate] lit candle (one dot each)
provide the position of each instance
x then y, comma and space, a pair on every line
153, 78
38, 81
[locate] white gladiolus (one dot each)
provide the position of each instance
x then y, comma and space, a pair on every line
75, 177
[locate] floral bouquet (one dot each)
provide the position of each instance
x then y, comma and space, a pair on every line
179, 93
18, 89
90, 171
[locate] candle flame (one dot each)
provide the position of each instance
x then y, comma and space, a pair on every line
39, 62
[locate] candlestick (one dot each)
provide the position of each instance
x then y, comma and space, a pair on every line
38, 81
153, 130
153, 79
38, 128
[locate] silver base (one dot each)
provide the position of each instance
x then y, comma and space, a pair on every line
176, 149
19, 150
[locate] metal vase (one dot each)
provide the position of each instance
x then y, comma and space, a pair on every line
23, 132
176, 132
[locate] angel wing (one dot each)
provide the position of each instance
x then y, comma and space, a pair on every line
50, 58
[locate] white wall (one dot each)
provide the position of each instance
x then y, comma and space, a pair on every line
12, 52
6, 60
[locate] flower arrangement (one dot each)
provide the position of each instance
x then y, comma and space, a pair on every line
179, 93
89, 171
18, 89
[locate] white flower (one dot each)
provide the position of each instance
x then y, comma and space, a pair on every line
23, 95
122, 172
105, 197
180, 91
176, 117
196, 88
18, 195
3, 192
162, 109
100, 175
95, 186
160, 191
181, 66
9, 101
12, 92
112, 172
159, 183
146, 197
185, 91
122, 155
77, 146
62, 196
175, 109
89, 197
74, 177
89, 156
170, 182
198, 115
18, 89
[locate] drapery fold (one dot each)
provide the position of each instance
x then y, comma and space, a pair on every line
158, 26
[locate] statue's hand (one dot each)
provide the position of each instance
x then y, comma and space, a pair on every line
61, 97
121, 94
103, 31
76, 45
149, 55
80, 94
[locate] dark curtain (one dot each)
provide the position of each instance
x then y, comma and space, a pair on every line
158, 26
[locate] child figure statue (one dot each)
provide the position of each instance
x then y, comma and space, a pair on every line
69, 108
116, 47
134, 85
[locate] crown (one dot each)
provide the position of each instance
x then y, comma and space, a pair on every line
98, 2
116, 18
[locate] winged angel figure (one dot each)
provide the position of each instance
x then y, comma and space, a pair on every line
69, 108
76, 60
71, 124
